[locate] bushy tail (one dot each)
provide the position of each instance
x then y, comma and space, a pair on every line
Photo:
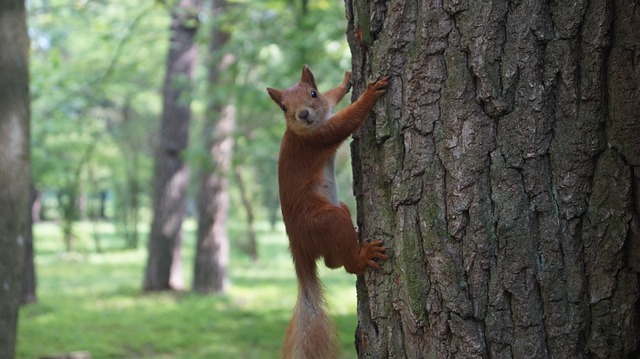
311, 333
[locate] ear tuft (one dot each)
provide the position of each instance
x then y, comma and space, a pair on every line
307, 77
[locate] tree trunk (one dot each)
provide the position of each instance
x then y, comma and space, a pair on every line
14, 165
69, 198
102, 205
36, 208
131, 217
171, 175
128, 193
29, 271
502, 171
252, 243
212, 251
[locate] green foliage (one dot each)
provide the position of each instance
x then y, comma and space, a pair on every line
92, 302
271, 41
96, 79
97, 70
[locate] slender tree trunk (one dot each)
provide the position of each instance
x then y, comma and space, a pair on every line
127, 215
171, 175
502, 171
102, 206
212, 251
252, 243
29, 273
67, 203
36, 208
132, 202
14, 165
69, 198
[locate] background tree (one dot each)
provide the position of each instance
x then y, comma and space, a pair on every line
212, 247
133, 141
93, 105
501, 170
14, 165
272, 40
29, 272
251, 243
171, 174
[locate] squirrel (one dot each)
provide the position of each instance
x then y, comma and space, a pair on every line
317, 224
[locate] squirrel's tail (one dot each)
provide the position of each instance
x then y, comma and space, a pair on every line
311, 333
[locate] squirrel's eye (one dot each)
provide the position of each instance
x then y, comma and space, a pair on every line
314, 94
283, 107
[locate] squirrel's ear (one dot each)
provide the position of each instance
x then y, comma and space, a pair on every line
307, 77
276, 95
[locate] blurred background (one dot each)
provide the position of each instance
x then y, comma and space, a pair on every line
107, 80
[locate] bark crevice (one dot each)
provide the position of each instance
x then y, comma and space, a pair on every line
506, 134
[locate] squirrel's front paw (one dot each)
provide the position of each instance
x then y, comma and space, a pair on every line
373, 250
378, 87
347, 81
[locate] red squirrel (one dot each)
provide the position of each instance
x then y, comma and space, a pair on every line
317, 224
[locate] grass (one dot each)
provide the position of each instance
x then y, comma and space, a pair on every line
93, 302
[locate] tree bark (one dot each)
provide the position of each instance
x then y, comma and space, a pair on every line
212, 250
502, 171
14, 165
171, 175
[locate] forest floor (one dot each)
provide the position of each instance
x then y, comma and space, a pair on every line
92, 302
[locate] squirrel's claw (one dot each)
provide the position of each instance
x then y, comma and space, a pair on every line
371, 251
378, 86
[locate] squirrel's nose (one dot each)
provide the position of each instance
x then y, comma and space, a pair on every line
303, 114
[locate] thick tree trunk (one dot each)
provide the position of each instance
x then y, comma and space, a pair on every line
171, 175
212, 250
502, 170
14, 165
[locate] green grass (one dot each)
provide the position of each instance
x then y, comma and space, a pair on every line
93, 302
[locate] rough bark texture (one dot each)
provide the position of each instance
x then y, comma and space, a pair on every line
171, 176
502, 170
14, 165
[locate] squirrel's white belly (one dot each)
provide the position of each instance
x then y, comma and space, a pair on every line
328, 189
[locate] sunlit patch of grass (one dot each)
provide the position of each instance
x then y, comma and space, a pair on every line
93, 302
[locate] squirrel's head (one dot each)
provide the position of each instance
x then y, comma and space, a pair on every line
305, 108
